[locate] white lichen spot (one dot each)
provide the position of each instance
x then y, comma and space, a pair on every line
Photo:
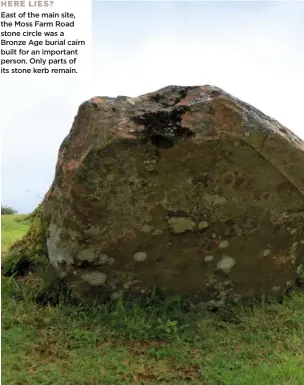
224, 244
302, 242
181, 224
158, 232
266, 252
217, 303
87, 255
57, 252
131, 101
247, 134
111, 177
134, 180
226, 264
203, 225
293, 231
214, 199
95, 278
146, 228
213, 235
209, 258
104, 258
140, 256
93, 231
300, 269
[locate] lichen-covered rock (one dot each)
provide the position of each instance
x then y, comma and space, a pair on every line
186, 189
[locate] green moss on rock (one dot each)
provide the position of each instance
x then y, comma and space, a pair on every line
180, 225
31, 251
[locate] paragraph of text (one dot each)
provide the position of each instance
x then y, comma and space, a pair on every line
39, 42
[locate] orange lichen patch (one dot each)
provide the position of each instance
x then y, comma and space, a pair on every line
126, 125
202, 123
127, 235
240, 180
126, 135
74, 190
192, 119
283, 259
188, 99
116, 241
192, 250
229, 178
98, 100
69, 167
113, 130
227, 116
80, 144
217, 243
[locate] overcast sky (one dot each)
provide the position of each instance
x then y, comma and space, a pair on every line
253, 50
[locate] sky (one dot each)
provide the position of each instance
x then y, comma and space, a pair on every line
253, 50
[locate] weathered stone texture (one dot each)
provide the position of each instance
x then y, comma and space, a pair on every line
186, 189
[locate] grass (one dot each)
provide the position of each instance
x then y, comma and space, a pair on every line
13, 228
151, 342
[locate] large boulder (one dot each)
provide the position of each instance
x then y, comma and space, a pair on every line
186, 190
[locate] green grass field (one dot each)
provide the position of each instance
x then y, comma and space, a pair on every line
145, 343
13, 228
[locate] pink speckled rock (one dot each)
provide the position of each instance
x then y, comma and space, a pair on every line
186, 189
